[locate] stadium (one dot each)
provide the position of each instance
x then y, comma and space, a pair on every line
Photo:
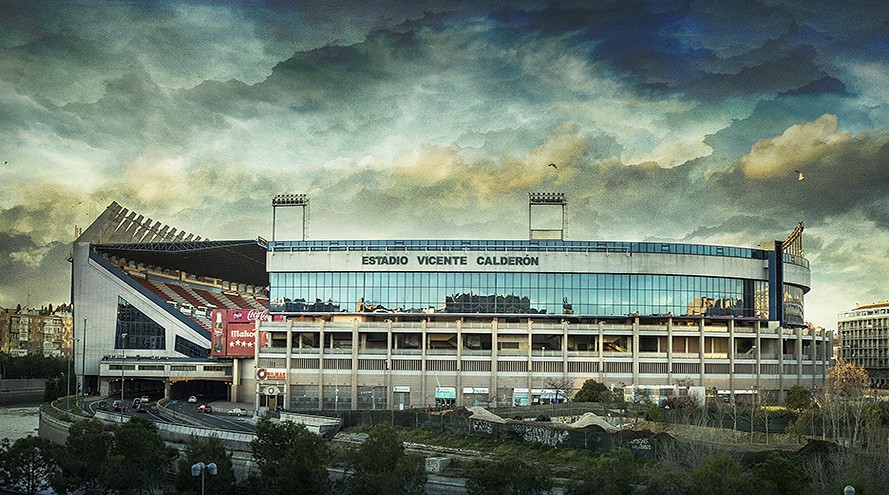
391, 324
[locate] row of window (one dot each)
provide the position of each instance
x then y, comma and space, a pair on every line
524, 293
517, 245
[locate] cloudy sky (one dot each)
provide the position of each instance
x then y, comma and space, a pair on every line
669, 121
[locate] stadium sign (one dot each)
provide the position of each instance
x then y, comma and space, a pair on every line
452, 260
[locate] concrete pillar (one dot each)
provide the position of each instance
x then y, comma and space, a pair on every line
390, 395
731, 357
459, 362
494, 381
423, 386
288, 378
670, 350
635, 352
353, 368
321, 365
701, 350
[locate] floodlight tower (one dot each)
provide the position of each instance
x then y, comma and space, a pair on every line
546, 200
299, 200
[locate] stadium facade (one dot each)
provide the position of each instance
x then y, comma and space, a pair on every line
418, 323
863, 335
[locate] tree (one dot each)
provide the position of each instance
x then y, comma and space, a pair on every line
719, 475
28, 465
615, 473
381, 466
83, 458
798, 399
206, 450
508, 476
139, 459
778, 475
845, 401
593, 391
290, 458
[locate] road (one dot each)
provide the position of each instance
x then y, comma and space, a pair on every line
218, 419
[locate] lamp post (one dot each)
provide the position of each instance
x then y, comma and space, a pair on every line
123, 359
200, 469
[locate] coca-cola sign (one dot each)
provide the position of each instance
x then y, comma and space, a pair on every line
250, 315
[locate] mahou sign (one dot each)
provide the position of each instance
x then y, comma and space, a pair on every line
234, 331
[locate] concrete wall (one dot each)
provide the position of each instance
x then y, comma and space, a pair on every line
22, 390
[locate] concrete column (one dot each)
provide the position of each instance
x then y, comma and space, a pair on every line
781, 359
321, 365
701, 350
288, 378
799, 356
236, 382
494, 381
670, 350
564, 348
390, 394
758, 366
256, 344
731, 357
423, 367
635, 351
459, 362
531, 360
353, 368
603, 373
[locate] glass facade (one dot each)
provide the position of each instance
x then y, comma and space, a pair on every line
793, 304
600, 294
141, 331
517, 245
190, 349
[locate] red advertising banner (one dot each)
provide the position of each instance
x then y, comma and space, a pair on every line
234, 331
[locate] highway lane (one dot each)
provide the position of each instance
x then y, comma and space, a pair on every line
218, 419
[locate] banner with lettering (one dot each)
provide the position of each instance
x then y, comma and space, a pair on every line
234, 331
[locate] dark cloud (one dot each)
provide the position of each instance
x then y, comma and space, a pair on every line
675, 121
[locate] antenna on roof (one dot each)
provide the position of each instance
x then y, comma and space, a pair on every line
300, 200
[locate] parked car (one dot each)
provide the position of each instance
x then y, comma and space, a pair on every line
237, 411
102, 405
205, 408
192, 399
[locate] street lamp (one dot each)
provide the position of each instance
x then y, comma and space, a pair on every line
199, 469
123, 358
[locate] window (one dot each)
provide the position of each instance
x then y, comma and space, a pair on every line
141, 331
190, 349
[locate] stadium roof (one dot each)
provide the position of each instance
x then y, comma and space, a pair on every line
232, 261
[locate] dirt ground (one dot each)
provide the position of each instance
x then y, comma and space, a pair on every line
738, 440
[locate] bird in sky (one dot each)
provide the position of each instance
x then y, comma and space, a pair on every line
800, 175
553, 165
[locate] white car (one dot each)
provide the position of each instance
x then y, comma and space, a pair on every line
144, 399
237, 411
192, 398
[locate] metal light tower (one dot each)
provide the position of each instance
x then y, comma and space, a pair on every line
546, 200
284, 200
